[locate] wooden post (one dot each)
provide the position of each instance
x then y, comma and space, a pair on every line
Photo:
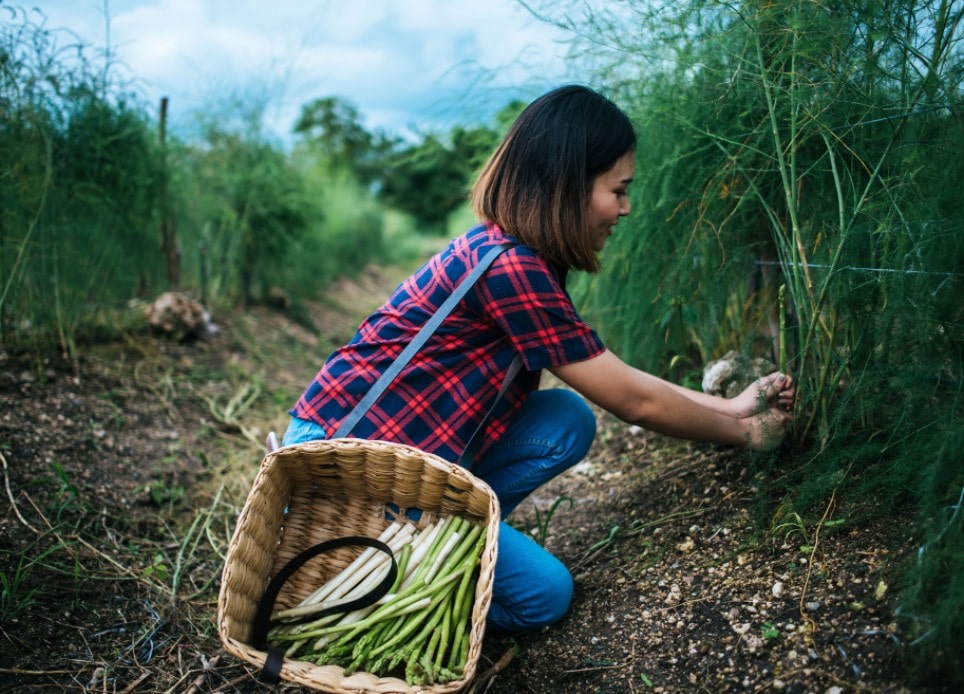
169, 248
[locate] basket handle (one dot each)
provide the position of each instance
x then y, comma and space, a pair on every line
271, 671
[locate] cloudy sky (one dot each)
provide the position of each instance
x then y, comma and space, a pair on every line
405, 64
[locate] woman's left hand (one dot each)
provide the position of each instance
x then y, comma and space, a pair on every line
774, 390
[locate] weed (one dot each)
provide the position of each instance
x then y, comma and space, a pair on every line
15, 595
161, 493
541, 533
68, 497
791, 527
157, 568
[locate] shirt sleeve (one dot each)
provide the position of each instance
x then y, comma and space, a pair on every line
525, 299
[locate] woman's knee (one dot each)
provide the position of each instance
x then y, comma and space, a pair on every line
556, 594
577, 418
545, 604
303, 430
532, 588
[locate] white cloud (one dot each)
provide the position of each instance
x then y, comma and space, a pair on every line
401, 62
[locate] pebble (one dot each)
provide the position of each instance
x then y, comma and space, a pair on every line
777, 589
753, 642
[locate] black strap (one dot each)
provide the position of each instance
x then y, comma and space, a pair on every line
271, 671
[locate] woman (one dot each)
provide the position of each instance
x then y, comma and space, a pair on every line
554, 189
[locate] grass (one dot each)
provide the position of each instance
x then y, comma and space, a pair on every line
543, 520
18, 593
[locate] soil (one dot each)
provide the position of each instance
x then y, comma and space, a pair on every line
124, 471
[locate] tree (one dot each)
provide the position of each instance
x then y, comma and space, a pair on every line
257, 209
430, 179
333, 126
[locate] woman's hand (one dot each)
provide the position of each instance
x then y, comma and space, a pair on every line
640, 398
765, 430
765, 409
774, 391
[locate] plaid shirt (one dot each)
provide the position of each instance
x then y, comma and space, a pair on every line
438, 400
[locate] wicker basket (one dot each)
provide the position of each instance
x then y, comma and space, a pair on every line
312, 492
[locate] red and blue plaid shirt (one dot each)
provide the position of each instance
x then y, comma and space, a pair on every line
438, 400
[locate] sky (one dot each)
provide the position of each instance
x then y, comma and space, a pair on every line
408, 66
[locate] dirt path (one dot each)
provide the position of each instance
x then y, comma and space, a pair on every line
123, 476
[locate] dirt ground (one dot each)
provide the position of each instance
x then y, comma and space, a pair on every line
124, 472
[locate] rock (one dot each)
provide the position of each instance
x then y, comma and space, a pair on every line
278, 298
733, 372
777, 589
753, 642
179, 316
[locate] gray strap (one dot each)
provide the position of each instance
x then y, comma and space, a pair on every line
416, 344
475, 441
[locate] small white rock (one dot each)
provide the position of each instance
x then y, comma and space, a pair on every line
777, 589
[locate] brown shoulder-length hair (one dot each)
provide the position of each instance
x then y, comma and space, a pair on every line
537, 184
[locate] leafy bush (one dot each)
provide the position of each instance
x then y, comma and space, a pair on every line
87, 185
81, 174
816, 146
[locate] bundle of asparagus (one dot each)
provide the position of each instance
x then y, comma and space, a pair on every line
424, 620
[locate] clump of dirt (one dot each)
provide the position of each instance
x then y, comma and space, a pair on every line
125, 470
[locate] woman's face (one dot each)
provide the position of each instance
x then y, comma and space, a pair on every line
608, 200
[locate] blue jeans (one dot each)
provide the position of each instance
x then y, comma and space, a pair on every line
551, 433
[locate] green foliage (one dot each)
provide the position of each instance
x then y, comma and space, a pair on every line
332, 128
430, 179
816, 145
347, 237
85, 184
252, 205
933, 609
79, 176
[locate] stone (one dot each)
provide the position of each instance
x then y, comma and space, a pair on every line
178, 316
